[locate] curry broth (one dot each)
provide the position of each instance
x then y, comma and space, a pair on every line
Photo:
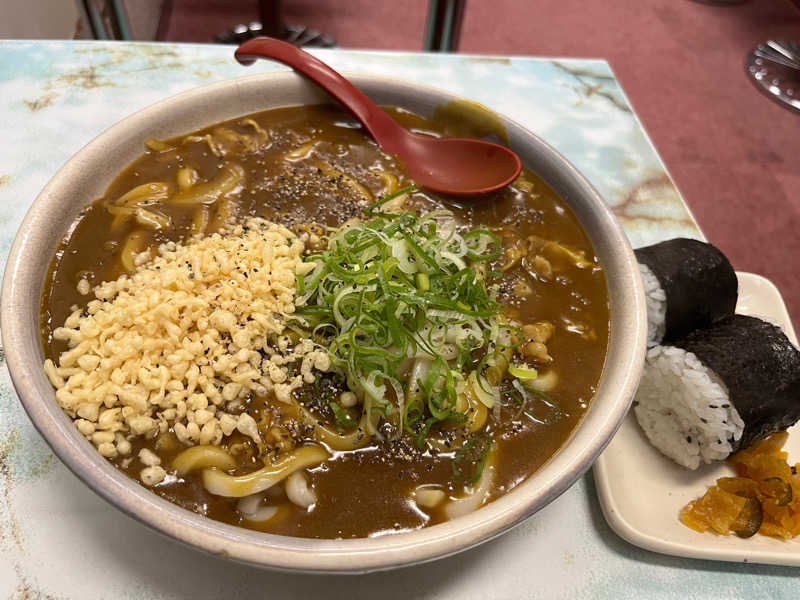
367, 491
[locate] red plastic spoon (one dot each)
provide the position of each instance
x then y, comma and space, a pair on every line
457, 166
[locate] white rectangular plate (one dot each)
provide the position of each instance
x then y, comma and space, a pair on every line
642, 492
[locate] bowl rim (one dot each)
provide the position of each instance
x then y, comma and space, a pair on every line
619, 378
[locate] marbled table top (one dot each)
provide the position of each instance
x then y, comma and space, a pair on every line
59, 540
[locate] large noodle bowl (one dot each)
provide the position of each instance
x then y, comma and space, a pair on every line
267, 323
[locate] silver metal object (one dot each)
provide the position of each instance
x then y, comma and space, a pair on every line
774, 67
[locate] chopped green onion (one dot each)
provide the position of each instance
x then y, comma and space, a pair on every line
343, 420
397, 287
478, 241
477, 449
480, 391
423, 282
406, 190
554, 411
524, 373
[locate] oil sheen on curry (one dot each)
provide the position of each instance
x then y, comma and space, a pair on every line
267, 323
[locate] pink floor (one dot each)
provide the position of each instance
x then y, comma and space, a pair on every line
734, 155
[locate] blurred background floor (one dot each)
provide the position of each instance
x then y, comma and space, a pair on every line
734, 154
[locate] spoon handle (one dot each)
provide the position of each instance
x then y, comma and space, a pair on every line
385, 130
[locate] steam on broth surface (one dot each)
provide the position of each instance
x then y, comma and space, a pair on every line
267, 324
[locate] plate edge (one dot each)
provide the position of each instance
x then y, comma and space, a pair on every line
634, 536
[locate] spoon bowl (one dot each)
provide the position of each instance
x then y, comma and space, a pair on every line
454, 166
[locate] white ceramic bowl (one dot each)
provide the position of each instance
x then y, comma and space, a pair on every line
85, 177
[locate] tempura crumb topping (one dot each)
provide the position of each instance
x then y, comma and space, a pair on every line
183, 341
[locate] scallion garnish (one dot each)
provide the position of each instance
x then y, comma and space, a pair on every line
524, 373
423, 282
343, 420
406, 190
472, 454
401, 287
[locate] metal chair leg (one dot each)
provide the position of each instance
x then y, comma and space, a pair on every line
106, 20
443, 25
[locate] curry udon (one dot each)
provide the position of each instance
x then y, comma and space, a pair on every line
265, 322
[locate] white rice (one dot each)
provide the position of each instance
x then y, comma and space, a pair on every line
684, 408
656, 306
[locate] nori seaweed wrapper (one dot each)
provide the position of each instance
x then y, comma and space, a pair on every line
759, 366
699, 282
